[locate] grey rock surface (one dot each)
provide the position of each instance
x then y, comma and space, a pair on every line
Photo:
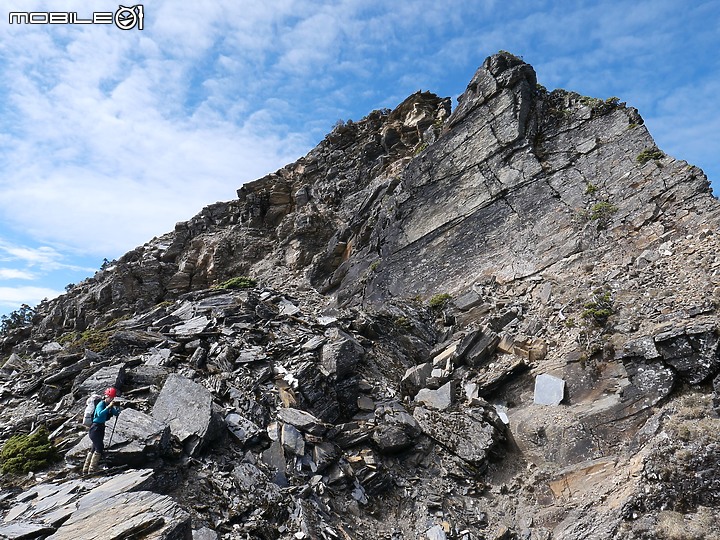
186, 407
549, 390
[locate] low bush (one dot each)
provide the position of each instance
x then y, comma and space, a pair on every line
22, 454
240, 282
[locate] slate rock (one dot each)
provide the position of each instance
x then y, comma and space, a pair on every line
302, 420
651, 382
255, 485
187, 408
439, 399
549, 390
191, 327
243, 430
396, 432
145, 375
692, 351
46, 506
128, 515
471, 435
467, 301
416, 378
483, 347
292, 440
106, 377
134, 440
341, 354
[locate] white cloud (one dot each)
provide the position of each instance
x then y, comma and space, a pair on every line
12, 273
12, 297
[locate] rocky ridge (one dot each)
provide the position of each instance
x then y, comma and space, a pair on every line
332, 401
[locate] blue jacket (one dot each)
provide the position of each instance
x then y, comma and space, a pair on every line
103, 412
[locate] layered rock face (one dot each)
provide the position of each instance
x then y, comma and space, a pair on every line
497, 323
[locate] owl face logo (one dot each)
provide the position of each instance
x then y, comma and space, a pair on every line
126, 18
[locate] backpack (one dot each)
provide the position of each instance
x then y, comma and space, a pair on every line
91, 403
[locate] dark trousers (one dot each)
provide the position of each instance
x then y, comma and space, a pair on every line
97, 436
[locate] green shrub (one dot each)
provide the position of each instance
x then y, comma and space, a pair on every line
403, 322
602, 211
374, 266
240, 282
439, 300
599, 308
591, 189
648, 154
22, 454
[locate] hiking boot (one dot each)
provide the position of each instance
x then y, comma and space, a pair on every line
94, 462
88, 459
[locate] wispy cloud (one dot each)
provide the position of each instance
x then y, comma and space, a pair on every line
12, 273
13, 297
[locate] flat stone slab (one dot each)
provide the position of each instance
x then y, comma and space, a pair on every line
439, 399
302, 420
549, 390
48, 508
127, 515
187, 408
100, 380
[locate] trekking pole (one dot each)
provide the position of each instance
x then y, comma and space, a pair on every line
113, 430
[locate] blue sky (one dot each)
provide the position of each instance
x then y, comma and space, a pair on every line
110, 137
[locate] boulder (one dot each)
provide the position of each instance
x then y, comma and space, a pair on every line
692, 351
471, 435
137, 438
439, 399
416, 378
187, 408
340, 354
106, 377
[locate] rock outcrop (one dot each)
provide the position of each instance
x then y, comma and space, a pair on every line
497, 323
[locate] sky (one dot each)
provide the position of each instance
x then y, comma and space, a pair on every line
108, 137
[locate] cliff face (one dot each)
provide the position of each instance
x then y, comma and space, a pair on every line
495, 323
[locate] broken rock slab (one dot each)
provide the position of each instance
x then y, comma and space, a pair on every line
136, 438
302, 420
140, 514
471, 435
106, 377
341, 354
549, 390
244, 430
187, 408
40, 510
439, 399
416, 378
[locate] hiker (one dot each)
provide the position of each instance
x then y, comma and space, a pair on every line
103, 411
